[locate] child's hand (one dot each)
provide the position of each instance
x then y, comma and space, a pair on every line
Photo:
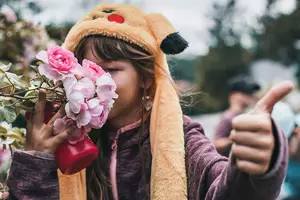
252, 134
39, 135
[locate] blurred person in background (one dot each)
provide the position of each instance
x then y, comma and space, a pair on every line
242, 90
289, 123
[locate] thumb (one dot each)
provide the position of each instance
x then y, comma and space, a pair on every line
275, 94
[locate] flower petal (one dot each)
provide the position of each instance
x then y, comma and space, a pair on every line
83, 118
43, 56
97, 110
68, 112
45, 70
75, 100
69, 83
92, 103
86, 86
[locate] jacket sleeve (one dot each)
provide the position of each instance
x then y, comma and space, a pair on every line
213, 177
33, 175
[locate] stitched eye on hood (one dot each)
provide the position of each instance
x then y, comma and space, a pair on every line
108, 11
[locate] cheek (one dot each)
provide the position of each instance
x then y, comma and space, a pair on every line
127, 87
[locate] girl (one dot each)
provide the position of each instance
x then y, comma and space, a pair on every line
148, 149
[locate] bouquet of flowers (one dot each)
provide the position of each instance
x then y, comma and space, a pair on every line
87, 91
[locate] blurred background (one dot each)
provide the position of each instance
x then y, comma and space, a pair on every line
257, 38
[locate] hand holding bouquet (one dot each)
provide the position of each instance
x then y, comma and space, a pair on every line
86, 91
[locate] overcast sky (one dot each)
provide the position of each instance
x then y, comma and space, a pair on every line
190, 17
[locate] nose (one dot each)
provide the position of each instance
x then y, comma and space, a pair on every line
116, 18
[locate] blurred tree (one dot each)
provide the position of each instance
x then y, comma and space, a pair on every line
183, 68
22, 7
226, 58
58, 32
20, 41
279, 38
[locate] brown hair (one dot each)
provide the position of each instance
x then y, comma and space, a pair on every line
111, 49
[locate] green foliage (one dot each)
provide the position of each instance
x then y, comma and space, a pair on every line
8, 114
214, 70
226, 58
279, 38
58, 33
183, 69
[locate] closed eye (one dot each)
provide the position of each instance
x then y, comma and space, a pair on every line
111, 70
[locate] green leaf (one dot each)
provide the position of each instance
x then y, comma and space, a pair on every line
32, 93
1, 76
35, 68
8, 114
4, 67
25, 81
20, 81
26, 105
36, 82
18, 110
5, 103
3, 130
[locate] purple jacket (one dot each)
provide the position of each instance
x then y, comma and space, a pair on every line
210, 176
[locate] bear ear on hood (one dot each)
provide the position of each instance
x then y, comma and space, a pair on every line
167, 37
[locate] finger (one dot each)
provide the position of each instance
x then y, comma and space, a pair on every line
38, 116
275, 94
251, 168
251, 139
5, 195
61, 137
252, 122
250, 154
29, 126
61, 113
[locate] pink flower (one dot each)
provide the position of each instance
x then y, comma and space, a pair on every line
93, 113
82, 106
91, 70
106, 89
86, 110
58, 63
4, 156
61, 124
78, 93
98, 121
9, 13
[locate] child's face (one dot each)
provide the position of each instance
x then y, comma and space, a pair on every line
128, 104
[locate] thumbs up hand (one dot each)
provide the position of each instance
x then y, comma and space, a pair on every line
252, 134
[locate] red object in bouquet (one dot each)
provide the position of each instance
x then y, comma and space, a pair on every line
71, 158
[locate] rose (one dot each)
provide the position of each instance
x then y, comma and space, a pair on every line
59, 63
98, 121
105, 89
92, 114
99, 113
83, 107
78, 93
86, 110
91, 70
